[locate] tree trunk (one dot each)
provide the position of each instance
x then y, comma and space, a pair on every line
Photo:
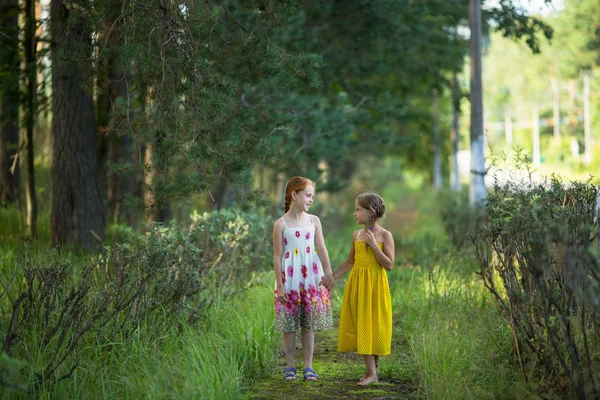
120, 141
556, 107
587, 120
30, 46
477, 190
437, 143
9, 102
536, 135
455, 132
157, 210
77, 214
508, 126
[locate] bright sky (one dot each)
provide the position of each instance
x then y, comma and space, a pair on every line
539, 6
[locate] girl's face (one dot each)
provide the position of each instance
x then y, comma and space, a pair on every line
304, 198
361, 215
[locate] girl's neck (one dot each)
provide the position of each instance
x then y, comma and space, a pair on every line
296, 214
376, 227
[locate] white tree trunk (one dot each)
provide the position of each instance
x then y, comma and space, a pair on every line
455, 175
477, 190
508, 126
535, 124
437, 143
587, 121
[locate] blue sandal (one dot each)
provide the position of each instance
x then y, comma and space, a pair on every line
310, 375
289, 374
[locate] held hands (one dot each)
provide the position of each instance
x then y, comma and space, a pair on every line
328, 282
282, 295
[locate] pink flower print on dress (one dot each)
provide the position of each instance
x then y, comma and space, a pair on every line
307, 297
307, 235
277, 302
283, 277
287, 255
307, 307
290, 271
312, 290
294, 297
308, 249
297, 234
289, 307
315, 268
304, 271
285, 241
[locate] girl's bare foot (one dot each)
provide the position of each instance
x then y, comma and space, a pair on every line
362, 378
368, 379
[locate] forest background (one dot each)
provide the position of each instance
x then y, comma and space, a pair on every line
144, 148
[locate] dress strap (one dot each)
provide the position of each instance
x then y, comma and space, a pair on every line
284, 222
358, 236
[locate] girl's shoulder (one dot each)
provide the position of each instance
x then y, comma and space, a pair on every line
386, 234
355, 234
279, 223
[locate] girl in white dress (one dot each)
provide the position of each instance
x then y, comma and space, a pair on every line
301, 260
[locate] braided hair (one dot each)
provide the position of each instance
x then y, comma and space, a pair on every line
372, 202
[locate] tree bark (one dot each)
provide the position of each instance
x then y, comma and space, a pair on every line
477, 190
9, 102
120, 151
120, 141
77, 213
157, 210
456, 186
437, 143
30, 46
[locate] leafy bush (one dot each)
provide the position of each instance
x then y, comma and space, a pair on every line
537, 238
51, 310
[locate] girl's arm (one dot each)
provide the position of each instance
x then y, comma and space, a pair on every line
385, 257
348, 264
323, 254
278, 228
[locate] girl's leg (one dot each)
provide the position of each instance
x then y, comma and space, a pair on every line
371, 375
289, 345
376, 369
308, 346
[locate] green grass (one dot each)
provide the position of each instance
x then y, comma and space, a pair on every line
449, 341
458, 341
207, 362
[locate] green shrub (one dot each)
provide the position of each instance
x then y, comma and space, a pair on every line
537, 238
54, 311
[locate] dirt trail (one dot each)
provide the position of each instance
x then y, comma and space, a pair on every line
338, 375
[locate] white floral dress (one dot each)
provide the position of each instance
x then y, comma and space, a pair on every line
308, 306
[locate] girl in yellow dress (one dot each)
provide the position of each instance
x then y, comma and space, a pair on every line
366, 317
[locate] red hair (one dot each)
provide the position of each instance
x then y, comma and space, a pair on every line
294, 185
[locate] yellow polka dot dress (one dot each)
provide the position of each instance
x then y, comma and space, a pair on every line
366, 317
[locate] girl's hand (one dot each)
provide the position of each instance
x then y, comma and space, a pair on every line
370, 239
328, 282
282, 295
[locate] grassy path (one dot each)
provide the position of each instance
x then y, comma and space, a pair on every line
338, 375
339, 372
